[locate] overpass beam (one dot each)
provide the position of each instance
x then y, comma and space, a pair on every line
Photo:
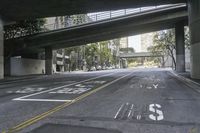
180, 47
194, 24
1, 50
48, 61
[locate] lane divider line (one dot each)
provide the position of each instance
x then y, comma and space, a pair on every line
58, 108
42, 100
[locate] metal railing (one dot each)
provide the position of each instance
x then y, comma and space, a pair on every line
76, 20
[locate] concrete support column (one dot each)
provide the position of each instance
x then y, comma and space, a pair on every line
194, 24
180, 47
48, 61
1, 50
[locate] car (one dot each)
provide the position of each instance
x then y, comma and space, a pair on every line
92, 68
117, 67
104, 68
99, 67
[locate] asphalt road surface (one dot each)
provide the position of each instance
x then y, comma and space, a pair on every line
112, 101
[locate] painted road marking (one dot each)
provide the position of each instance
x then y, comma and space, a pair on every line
149, 87
58, 108
155, 86
78, 89
71, 91
130, 111
156, 114
34, 88
155, 108
139, 117
44, 100
125, 111
119, 110
28, 90
61, 87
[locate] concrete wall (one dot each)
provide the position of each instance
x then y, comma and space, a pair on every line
22, 66
1, 51
187, 60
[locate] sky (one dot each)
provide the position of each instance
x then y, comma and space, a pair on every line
135, 42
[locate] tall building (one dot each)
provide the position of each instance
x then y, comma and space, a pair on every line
146, 41
124, 42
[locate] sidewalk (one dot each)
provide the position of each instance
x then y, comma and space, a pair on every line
9, 79
185, 77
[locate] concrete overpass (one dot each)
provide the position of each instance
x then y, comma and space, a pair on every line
148, 21
132, 24
139, 54
13, 10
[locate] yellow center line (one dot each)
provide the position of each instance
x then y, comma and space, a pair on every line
58, 108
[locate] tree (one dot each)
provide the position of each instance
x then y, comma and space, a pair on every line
74, 53
116, 45
23, 28
75, 19
105, 53
91, 51
164, 41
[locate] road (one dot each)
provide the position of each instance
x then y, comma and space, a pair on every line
115, 101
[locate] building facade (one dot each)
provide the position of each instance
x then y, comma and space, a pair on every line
124, 42
146, 41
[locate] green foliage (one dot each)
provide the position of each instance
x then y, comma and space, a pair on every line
79, 19
105, 53
91, 50
93, 53
164, 41
23, 28
187, 38
70, 49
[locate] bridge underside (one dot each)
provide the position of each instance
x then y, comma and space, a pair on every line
139, 54
99, 31
13, 10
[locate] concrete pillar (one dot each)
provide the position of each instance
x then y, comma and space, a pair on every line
7, 66
48, 61
180, 47
1, 50
194, 24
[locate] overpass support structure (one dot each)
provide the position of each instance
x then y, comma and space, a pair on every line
1, 50
48, 61
194, 24
180, 47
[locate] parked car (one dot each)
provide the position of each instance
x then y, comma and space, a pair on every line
92, 68
104, 68
117, 67
99, 67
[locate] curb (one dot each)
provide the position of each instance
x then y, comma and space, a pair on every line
187, 80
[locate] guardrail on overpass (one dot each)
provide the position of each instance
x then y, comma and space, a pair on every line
94, 17
140, 54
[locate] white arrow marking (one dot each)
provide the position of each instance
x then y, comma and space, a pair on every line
155, 86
